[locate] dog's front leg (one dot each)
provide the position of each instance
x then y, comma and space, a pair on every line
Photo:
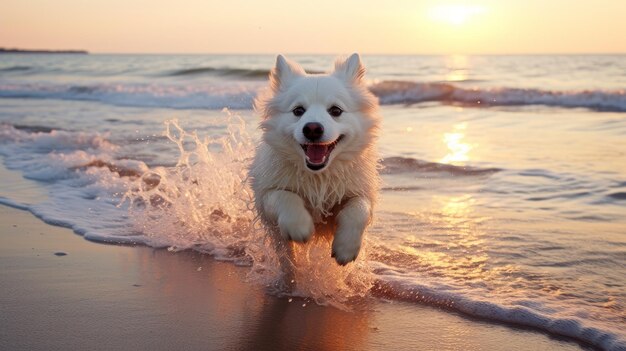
287, 210
351, 220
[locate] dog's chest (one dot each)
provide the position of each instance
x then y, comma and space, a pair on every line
324, 208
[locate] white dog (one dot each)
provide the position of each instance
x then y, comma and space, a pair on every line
316, 170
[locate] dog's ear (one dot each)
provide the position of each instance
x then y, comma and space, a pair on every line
350, 69
284, 72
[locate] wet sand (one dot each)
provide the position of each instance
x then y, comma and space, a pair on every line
59, 291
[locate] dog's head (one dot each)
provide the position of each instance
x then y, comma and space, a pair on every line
317, 119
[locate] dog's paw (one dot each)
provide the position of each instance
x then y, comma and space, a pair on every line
346, 245
297, 225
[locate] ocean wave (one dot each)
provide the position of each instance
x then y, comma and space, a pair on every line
236, 72
392, 284
407, 92
396, 165
80, 172
226, 72
33, 128
621, 195
15, 69
241, 94
209, 96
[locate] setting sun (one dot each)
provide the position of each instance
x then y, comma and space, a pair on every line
455, 14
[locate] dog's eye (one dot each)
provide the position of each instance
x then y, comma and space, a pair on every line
298, 111
335, 111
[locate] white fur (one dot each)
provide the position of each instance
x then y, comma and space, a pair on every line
298, 202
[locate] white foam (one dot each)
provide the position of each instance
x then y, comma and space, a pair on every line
405, 286
85, 200
12, 203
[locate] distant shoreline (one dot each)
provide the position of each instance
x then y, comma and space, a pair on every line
24, 51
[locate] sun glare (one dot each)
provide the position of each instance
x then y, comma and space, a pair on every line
458, 149
455, 14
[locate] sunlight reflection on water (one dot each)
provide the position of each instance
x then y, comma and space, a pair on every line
458, 150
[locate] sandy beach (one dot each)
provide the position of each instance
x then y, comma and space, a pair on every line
60, 291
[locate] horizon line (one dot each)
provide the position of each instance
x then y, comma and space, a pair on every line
318, 53
348, 52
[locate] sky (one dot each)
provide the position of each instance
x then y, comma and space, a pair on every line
317, 27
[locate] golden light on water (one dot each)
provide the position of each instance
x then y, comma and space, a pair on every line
457, 66
458, 149
457, 207
458, 75
457, 247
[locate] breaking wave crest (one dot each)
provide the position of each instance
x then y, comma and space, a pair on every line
240, 94
206, 96
226, 72
249, 73
406, 92
396, 165
15, 69
395, 284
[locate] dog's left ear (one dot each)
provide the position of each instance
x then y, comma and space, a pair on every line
350, 69
284, 73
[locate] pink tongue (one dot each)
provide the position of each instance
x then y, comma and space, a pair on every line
316, 152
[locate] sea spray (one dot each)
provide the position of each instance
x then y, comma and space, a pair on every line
205, 203
201, 202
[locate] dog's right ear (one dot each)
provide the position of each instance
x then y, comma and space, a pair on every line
284, 73
350, 69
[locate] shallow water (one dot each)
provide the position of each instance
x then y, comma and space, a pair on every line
504, 188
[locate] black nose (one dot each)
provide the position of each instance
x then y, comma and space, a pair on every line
313, 131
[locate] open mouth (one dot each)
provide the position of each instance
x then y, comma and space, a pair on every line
317, 154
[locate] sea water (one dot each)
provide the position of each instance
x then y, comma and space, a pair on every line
504, 177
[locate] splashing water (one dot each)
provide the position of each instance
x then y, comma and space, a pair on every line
199, 203
205, 203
